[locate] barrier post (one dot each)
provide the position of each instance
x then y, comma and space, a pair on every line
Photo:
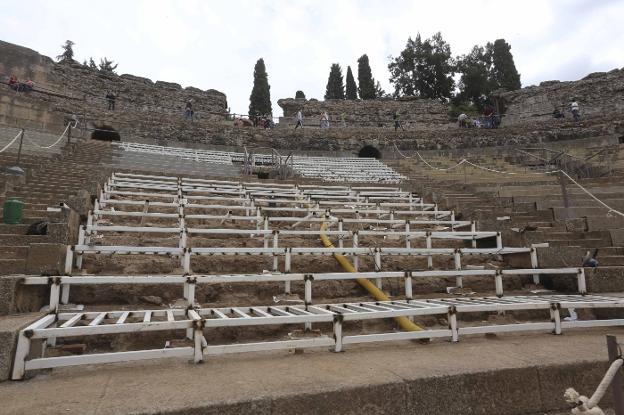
618, 394
19, 150
568, 211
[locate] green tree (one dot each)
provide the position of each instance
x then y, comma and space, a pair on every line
424, 69
351, 86
365, 79
299, 95
503, 72
68, 52
260, 98
474, 84
92, 64
107, 65
335, 84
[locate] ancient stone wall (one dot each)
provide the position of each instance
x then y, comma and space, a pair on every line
348, 141
75, 89
368, 113
152, 112
598, 94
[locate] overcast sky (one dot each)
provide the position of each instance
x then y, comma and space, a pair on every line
215, 44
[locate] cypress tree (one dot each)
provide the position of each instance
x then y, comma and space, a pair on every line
260, 99
503, 72
68, 52
351, 86
365, 79
335, 83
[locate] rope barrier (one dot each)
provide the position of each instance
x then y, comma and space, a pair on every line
583, 405
10, 143
56, 142
546, 173
611, 210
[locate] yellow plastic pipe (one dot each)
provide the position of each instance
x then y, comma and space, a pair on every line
377, 294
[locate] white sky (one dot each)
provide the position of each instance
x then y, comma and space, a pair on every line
215, 44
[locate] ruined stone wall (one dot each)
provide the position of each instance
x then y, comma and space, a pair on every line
368, 113
152, 112
598, 94
348, 141
63, 90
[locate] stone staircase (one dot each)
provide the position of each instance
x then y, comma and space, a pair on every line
527, 213
70, 177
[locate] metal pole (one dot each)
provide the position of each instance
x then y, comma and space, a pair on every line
568, 212
19, 151
618, 393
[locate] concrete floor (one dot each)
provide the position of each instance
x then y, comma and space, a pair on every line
508, 374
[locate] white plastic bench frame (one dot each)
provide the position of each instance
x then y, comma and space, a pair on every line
200, 320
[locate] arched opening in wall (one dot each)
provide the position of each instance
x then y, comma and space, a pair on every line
105, 133
370, 152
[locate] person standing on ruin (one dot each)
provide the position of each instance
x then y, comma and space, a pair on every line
299, 118
462, 120
188, 110
110, 97
324, 119
397, 123
574, 107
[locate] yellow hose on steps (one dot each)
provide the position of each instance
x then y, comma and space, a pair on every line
379, 295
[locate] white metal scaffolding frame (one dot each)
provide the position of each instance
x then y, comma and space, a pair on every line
263, 229
189, 282
337, 169
199, 321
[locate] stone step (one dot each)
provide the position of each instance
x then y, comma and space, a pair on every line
13, 252
45, 187
13, 229
613, 260
611, 251
12, 266
580, 235
21, 240
583, 243
33, 197
523, 206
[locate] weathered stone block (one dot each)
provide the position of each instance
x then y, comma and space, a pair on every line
477, 393
9, 329
375, 399
46, 259
617, 237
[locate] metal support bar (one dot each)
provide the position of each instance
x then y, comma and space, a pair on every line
429, 246
533, 253
287, 269
378, 281
338, 333
356, 259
